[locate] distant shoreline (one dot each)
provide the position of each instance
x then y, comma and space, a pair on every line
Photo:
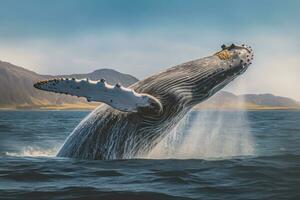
248, 108
87, 107
51, 107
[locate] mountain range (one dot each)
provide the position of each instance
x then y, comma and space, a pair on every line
17, 92
227, 100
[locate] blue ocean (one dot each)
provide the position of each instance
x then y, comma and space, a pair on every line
210, 155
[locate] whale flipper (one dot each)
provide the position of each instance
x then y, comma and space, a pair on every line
118, 97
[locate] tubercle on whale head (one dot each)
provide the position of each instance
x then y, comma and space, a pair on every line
238, 55
220, 69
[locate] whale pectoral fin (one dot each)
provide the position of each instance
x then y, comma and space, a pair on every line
118, 97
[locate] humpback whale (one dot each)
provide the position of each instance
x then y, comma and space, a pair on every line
131, 121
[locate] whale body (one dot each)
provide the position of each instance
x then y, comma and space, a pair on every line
132, 121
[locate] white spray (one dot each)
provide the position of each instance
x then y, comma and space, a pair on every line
208, 134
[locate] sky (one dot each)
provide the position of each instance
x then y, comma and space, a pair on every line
142, 37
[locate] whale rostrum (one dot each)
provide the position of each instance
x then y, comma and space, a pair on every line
133, 120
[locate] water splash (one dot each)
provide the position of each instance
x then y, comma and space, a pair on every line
208, 135
34, 152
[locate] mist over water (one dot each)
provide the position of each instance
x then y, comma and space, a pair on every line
200, 135
205, 134
208, 135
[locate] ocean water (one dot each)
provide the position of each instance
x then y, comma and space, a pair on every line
210, 155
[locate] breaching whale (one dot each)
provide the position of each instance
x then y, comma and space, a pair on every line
131, 121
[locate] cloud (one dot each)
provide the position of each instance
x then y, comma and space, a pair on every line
140, 54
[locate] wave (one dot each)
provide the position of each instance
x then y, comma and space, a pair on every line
89, 193
30, 151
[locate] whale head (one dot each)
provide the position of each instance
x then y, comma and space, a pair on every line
190, 83
216, 71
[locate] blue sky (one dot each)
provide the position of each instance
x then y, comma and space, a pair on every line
143, 37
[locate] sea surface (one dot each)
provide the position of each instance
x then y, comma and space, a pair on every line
211, 155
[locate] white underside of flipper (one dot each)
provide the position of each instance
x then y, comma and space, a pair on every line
119, 97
